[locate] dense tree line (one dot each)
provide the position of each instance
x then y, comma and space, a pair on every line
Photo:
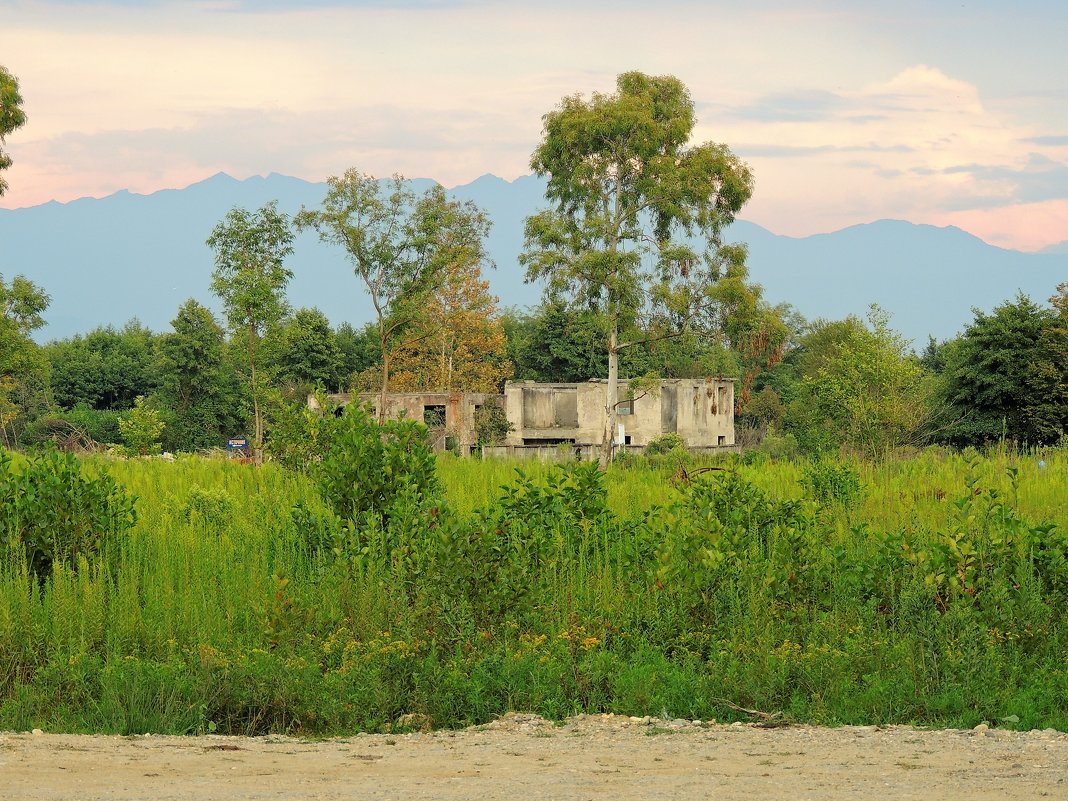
849, 383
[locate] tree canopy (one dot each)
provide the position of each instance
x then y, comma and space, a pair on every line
1007, 375
400, 245
628, 192
11, 116
250, 278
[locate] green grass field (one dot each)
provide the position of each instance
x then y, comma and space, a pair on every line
928, 590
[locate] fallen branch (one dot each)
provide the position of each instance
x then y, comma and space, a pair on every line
768, 718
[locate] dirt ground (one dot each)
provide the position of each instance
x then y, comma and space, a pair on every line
527, 758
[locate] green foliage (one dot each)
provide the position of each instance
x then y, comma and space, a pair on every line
52, 513
199, 396
400, 245
1007, 377
106, 368
627, 188
859, 388
360, 350
23, 369
100, 426
241, 603
304, 351
369, 470
726, 531
665, 444
491, 424
210, 508
250, 278
12, 115
141, 428
831, 482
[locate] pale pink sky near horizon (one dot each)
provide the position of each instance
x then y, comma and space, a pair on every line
847, 112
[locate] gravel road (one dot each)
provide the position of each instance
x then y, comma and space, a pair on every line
525, 758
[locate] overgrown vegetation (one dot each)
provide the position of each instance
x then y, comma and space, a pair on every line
929, 590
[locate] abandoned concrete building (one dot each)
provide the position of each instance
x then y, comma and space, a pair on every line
450, 416
700, 411
547, 418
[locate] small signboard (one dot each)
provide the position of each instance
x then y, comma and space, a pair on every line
237, 444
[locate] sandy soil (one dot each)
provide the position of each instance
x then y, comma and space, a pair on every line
524, 757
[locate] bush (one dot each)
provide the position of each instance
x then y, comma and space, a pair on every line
141, 428
55, 513
367, 468
830, 482
666, 443
491, 424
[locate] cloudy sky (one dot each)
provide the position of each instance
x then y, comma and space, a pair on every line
935, 112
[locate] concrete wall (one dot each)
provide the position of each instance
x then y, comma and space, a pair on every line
458, 407
701, 411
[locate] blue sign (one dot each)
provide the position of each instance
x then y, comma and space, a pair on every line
237, 444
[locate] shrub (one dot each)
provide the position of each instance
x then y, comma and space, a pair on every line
666, 443
830, 482
54, 512
491, 424
367, 468
141, 428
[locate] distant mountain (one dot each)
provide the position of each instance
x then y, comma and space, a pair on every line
107, 260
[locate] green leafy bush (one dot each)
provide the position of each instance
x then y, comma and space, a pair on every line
141, 428
367, 468
208, 507
491, 424
56, 513
667, 443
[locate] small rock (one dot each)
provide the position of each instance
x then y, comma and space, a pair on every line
414, 720
37, 732
981, 729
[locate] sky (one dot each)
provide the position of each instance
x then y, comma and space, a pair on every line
935, 112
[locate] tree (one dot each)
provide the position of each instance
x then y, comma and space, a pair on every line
860, 387
199, 396
400, 245
23, 368
627, 188
250, 278
304, 351
360, 350
555, 343
1007, 376
11, 115
106, 369
458, 343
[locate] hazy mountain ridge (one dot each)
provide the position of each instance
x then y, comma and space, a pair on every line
106, 260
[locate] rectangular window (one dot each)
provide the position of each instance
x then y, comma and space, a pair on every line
434, 416
625, 407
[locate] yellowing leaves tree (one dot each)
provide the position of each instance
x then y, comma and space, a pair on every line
457, 344
401, 246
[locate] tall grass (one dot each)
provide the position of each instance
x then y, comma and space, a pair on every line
226, 610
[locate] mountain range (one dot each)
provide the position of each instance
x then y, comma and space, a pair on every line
104, 261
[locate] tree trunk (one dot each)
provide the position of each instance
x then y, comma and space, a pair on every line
257, 418
382, 341
611, 397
